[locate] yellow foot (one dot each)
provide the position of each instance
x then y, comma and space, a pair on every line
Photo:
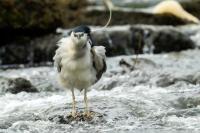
79, 116
88, 114
73, 114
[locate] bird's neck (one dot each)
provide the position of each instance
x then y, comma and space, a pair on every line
77, 52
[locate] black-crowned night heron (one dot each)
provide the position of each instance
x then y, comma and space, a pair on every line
79, 63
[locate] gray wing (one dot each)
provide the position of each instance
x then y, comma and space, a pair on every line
99, 63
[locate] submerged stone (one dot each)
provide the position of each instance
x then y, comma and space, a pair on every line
16, 85
80, 117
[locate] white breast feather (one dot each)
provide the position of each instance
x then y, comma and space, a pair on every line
76, 73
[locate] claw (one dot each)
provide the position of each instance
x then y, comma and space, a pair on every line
74, 114
88, 114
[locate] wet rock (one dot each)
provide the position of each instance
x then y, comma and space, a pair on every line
147, 39
132, 64
123, 40
79, 117
196, 78
108, 86
39, 50
165, 81
168, 80
166, 41
187, 102
20, 84
16, 85
142, 39
126, 66
116, 40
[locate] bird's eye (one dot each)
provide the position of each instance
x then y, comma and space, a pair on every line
81, 34
75, 35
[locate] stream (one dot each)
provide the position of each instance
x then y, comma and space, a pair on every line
160, 93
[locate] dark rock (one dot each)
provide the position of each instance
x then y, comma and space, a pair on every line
16, 85
171, 40
192, 7
132, 64
80, 117
186, 102
168, 80
34, 18
35, 51
142, 39
159, 39
116, 41
44, 48
196, 78
126, 65
109, 86
165, 81
18, 54
20, 84
123, 40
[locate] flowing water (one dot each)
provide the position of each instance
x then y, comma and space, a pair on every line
160, 94
156, 93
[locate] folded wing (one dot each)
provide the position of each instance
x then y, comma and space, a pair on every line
58, 58
98, 58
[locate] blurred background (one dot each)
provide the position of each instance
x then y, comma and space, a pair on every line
152, 83
29, 29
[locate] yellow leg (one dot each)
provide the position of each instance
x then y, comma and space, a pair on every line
87, 112
73, 104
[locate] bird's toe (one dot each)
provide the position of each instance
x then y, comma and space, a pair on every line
88, 114
73, 114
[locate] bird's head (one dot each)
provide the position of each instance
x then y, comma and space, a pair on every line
79, 36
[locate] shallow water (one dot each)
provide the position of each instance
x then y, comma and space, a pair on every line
160, 95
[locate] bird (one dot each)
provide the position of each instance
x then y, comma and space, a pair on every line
79, 63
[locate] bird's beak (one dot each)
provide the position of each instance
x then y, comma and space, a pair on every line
79, 36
